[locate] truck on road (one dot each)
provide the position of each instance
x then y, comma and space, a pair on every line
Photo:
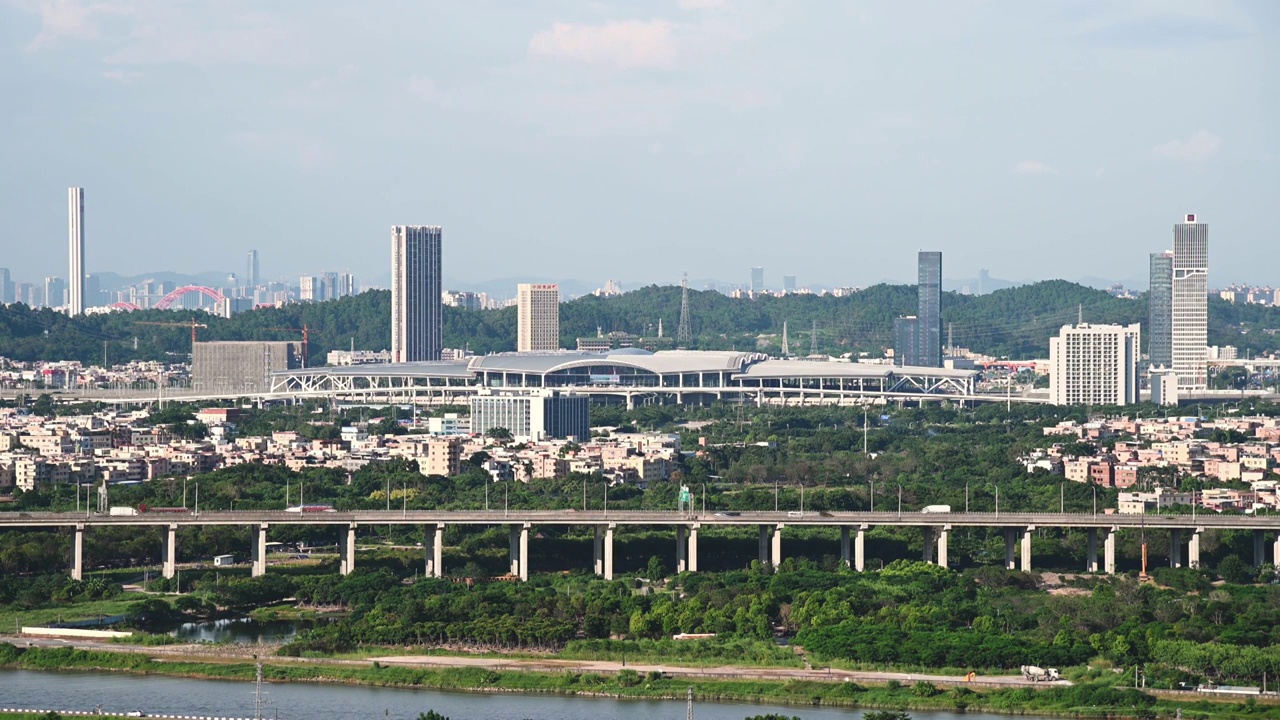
936, 509
122, 510
1039, 674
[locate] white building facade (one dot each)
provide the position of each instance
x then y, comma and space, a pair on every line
1094, 365
75, 231
539, 317
1190, 326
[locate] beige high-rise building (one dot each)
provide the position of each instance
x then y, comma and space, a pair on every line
539, 316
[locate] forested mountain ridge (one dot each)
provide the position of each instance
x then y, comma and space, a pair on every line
1016, 322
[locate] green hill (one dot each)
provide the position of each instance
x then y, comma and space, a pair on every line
1015, 322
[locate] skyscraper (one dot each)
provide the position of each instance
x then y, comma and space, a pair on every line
309, 290
538, 313
757, 279
906, 341
929, 291
75, 226
1190, 302
416, 315
1094, 365
55, 291
1160, 310
789, 283
6, 287
251, 278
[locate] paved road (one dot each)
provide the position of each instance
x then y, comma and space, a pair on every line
244, 652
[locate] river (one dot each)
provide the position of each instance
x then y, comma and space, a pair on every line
120, 693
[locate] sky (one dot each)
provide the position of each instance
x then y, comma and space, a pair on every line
637, 141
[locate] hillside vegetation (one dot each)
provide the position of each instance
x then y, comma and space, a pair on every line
1016, 323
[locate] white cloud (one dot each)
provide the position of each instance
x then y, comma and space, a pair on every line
704, 4
72, 19
423, 88
621, 45
120, 76
1200, 146
1032, 167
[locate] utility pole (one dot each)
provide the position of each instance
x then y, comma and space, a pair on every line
864, 429
813, 338
688, 707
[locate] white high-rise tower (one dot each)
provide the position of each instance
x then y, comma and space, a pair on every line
75, 231
1190, 326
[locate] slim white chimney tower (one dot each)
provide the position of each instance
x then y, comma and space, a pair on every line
75, 226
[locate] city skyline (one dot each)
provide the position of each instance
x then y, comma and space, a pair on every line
695, 109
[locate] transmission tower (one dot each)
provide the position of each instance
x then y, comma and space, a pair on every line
259, 695
684, 333
813, 339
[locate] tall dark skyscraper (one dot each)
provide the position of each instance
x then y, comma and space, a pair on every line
757, 279
1160, 310
906, 341
929, 314
416, 314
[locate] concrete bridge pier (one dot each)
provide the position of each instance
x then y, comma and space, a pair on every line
169, 551
77, 552
347, 562
1091, 558
1109, 552
1275, 549
1026, 548
1175, 548
844, 545
1010, 539
942, 534
519, 552
682, 556
776, 555
435, 561
608, 551
859, 549
927, 534
258, 550
692, 545
1193, 549
764, 544
597, 550
1259, 548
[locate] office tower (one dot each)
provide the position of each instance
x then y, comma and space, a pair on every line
75, 225
309, 289
906, 341
929, 291
984, 281
6, 287
416, 317
1094, 365
1190, 302
1160, 310
55, 292
251, 277
789, 283
347, 285
539, 317
757, 279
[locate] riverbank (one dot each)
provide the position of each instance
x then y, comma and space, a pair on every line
1092, 700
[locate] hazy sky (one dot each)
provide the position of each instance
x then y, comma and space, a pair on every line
595, 140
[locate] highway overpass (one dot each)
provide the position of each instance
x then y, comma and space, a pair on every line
1185, 531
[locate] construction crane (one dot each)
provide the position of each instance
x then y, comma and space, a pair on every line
306, 338
192, 324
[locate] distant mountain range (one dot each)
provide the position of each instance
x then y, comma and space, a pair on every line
570, 287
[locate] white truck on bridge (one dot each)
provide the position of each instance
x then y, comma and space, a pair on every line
122, 510
936, 509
